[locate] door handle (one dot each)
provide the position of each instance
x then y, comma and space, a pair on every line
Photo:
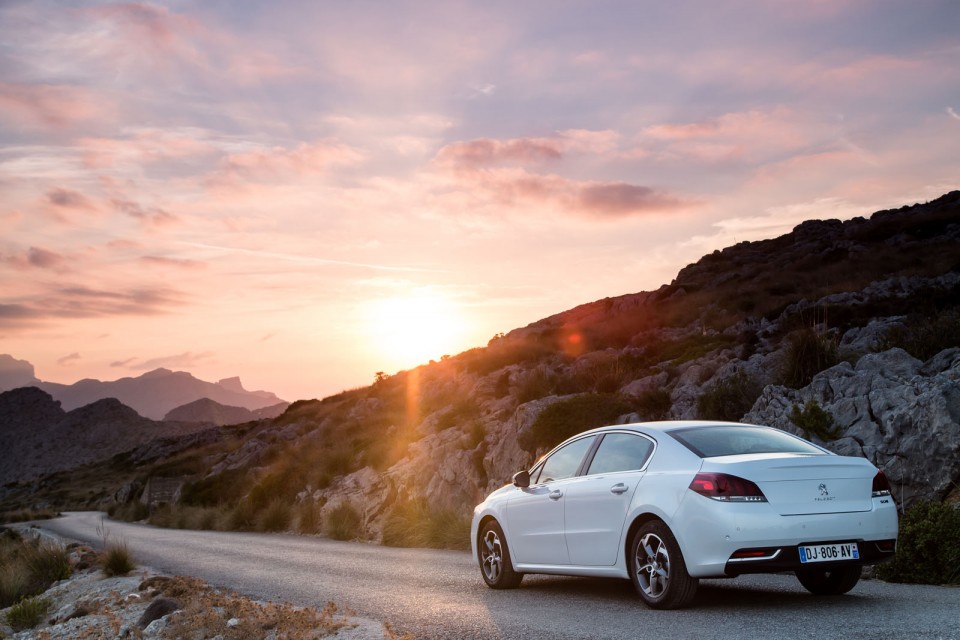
556, 494
618, 488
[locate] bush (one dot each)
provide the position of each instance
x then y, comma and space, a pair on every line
343, 522
242, 517
415, 524
116, 560
925, 336
535, 384
570, 416
808, 353
815, 420
729, 399
276, 517
27, 613
654, 404
308, 517
928, 549
29, 567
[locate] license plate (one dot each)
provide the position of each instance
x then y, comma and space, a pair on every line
829, 552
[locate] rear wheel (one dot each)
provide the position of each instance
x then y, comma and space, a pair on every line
657, 569
829, 582
495, 565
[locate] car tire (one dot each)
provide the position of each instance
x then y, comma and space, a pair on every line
829, 582
657, 569
495, 564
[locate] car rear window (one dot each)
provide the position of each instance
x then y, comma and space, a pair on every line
714, 441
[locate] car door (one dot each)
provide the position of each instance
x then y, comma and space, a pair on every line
596, 504
535, 514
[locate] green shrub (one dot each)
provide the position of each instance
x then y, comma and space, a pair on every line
415, 524
654, 404
928, 548
729, 399
535, 384
342, 522
116, 560
27, 613
458, 413
808, 353
925, 336
570, 416
815, 420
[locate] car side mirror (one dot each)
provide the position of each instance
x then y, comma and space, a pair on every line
521, 479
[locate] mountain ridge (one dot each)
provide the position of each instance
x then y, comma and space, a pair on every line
152, 394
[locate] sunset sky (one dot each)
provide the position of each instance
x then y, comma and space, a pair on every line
304, 193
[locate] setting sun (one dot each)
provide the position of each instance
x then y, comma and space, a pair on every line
414, 329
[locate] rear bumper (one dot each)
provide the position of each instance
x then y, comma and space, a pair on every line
776, 559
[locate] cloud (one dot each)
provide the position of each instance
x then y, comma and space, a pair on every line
152, 216
50, 106
71, 302
122, 363
953, 114
145, 146
68, 199
618, 199
310, 259
69, 359
185, 360
485, 152
35, 258
163, 261
279, 163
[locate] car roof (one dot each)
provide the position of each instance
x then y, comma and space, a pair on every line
667, 425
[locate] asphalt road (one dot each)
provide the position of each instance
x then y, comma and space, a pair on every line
439, 594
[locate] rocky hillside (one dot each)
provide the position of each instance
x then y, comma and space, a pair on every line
38, 437
152, 394
846, 332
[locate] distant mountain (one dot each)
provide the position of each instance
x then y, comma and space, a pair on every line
152, 394
15, 373
207, 410
38, 437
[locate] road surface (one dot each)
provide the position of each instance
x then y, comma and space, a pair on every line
439, 594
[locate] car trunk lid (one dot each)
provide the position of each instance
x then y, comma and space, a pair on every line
797, 484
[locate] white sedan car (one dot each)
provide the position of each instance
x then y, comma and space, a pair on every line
665, 504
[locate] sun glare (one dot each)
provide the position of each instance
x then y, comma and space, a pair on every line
414, 329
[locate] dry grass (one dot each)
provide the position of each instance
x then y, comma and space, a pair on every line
116, 560
209, 613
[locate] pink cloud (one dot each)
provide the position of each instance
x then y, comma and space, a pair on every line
278, 162
35, 258
50, 106
179, 263
486, 151
157, 39
145, 146
68, 199
152, 216
69, 359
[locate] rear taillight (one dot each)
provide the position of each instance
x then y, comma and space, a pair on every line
726, 488
881, 487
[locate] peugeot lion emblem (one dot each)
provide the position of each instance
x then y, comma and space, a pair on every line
823, 489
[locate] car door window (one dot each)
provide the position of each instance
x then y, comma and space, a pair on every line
564, 462
621, 452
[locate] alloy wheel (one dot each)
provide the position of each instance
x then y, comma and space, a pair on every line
652, 564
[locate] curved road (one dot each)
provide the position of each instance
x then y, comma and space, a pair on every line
439, 594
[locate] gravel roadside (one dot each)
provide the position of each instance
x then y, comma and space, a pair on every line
149, 604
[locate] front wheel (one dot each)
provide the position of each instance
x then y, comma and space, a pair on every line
657, 569
495, 565
829, 582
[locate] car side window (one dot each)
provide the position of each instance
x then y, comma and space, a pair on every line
564, 462
621, 452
